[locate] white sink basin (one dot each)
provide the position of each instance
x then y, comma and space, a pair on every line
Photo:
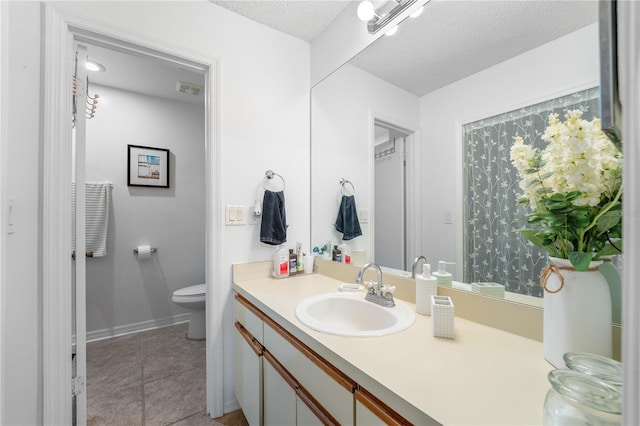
349, 314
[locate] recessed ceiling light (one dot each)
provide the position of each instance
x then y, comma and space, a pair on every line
94, 66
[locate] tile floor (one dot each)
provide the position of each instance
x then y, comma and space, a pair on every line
156, 377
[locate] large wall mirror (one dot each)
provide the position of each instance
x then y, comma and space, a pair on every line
394, 120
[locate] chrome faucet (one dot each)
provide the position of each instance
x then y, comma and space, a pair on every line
377, 293
415, 264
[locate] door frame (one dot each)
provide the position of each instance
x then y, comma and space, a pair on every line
60, 30
413, 179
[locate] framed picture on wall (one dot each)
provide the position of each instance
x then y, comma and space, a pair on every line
147, 166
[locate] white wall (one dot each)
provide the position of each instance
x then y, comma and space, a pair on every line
560, 67
121, 290
264, 110
21, 301
344, 106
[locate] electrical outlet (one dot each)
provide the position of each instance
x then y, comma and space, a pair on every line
448, 218
253, 219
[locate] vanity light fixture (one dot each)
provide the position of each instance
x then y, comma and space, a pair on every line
379, 17
95, 67
418, 12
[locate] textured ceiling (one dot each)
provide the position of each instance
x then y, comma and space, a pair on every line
454, 39
451, 40
303, 19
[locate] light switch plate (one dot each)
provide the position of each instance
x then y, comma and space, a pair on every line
363, 215
234, 215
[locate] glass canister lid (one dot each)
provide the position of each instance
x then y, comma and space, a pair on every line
598, 366
587, 392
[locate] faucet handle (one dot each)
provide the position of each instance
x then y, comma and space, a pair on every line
388, 289
371, 285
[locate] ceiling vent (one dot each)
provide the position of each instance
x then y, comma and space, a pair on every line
189, 88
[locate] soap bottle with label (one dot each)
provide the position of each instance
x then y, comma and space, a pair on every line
280, 263
293, 263
346, 253
337, 254
426, 286
299, 259
442, 275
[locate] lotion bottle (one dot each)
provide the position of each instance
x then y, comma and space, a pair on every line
281, 263
444, 278
426, 286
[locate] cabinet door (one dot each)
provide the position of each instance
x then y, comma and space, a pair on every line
330, 388
248, 375
279, 395
371, 411
306, 417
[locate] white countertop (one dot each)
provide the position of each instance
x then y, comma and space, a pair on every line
483, 376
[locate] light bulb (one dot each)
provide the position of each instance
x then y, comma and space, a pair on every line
418, 12
94, 66
366, 11
392, 31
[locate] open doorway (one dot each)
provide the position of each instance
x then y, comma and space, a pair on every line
136, 345
60, 32
392, 170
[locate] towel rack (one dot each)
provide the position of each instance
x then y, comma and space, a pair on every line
270, 174
344, 182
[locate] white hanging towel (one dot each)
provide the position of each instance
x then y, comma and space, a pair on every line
97, 202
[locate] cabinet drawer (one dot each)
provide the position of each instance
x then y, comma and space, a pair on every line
330, 388
250, 317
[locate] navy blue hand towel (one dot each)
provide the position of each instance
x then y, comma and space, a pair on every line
273, 229
347, 220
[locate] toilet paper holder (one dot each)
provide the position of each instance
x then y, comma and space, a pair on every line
152, 250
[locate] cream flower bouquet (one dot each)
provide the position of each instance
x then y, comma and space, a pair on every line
574, 189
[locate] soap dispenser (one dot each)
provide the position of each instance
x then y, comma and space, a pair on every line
426, 286
442, 275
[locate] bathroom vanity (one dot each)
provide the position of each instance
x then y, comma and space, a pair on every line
287, 373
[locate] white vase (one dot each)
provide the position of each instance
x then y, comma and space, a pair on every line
577, 318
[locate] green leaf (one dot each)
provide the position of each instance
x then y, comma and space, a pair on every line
608, 221
538, 240
609, 250
546, 175
580, 260
555, 205
573, 195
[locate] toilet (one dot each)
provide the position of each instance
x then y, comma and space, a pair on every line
193, 298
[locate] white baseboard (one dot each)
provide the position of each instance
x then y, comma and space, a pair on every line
230, 406
122, 330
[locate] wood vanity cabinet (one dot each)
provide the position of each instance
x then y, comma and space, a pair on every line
284, 382
249, 364
371, 411
323, 388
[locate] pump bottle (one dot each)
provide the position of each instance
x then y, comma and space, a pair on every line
444, 278
426, 286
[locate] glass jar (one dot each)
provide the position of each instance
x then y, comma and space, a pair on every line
598, 366
579, 399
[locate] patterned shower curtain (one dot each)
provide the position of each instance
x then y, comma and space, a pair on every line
494, 249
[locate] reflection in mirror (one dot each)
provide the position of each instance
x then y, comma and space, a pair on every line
390, 189
458, 63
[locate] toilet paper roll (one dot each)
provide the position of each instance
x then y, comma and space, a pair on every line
144, 252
